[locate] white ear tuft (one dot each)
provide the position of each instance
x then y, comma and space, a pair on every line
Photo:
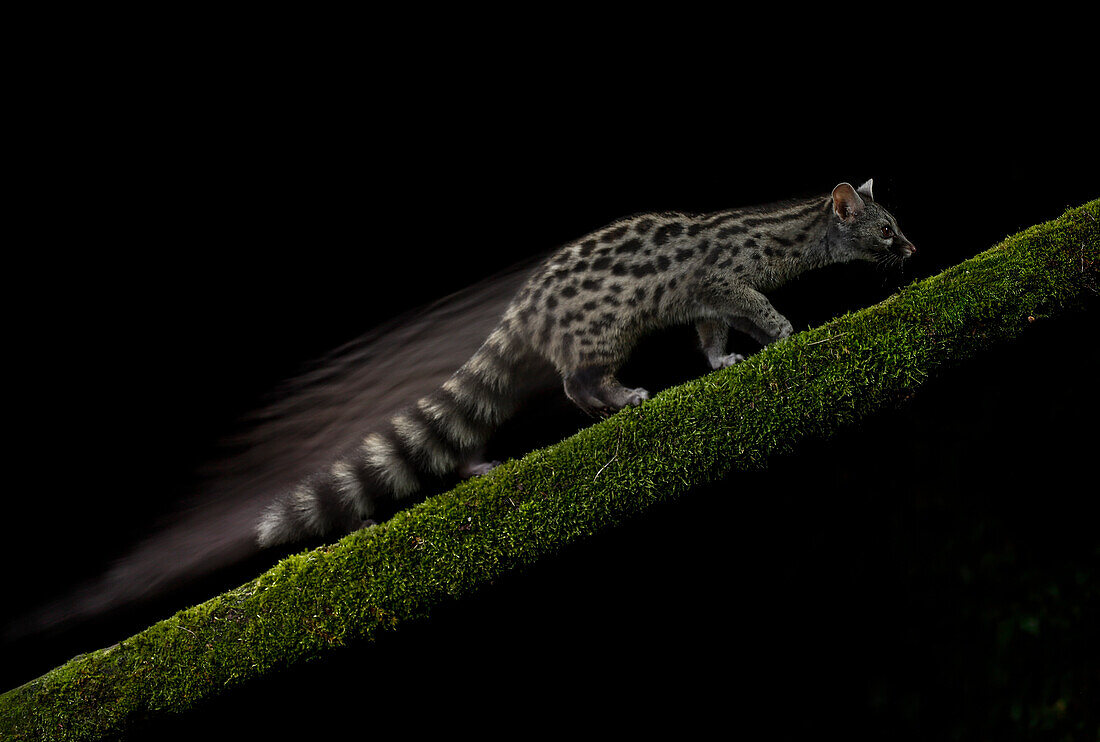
865, 189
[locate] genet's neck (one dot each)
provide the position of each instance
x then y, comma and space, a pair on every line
797, 245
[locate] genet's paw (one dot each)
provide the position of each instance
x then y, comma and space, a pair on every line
621, 398
727, 360
478, 469
786, 329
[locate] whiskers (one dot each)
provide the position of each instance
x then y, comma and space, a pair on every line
892, 266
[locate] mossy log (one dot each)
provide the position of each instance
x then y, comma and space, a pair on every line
808, 386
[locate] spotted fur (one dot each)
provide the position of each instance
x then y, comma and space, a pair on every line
582, 311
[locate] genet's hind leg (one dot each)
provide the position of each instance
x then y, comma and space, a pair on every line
583, 393
596, 391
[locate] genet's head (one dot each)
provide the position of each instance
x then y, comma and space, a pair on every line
863, 229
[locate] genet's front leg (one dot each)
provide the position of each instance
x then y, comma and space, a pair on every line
750, 312
712, 337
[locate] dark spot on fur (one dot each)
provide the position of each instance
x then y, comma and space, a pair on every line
714, 222
665, 232
600, 264
570, 317
591, 284
615, 234
757, 221
663, 262
730, 231
631, 245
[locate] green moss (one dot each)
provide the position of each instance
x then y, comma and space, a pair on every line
811, 385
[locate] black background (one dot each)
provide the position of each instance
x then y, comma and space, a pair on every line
200, 223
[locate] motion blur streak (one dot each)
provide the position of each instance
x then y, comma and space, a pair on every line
310, 420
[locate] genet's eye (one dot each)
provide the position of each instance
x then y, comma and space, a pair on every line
887, 233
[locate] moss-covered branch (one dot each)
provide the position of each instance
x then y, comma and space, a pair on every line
809, 385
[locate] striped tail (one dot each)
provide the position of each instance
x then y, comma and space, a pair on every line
424, 444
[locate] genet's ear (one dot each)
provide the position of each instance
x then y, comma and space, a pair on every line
865, 189
847, 204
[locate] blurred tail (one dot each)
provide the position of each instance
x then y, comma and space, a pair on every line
424, 442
